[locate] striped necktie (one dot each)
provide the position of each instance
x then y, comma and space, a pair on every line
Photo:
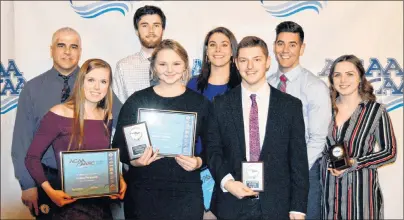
282, 83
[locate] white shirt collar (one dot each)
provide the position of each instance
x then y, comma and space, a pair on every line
262, 93
292, 74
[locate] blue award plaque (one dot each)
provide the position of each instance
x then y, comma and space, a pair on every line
90, 173
171, 132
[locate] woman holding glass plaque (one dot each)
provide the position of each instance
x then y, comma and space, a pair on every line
350, 187
167, 187
83, 122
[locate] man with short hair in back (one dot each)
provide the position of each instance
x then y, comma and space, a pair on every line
297, 81
132, 72
37, 97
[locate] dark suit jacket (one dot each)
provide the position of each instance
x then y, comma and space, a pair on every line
284, 154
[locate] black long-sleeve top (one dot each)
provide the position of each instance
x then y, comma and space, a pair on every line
164, 173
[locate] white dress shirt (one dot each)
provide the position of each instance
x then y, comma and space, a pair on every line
315, 97
262, 98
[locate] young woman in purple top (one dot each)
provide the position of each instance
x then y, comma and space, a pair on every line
218, 75
83, 122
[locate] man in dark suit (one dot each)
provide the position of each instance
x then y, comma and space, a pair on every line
256, 122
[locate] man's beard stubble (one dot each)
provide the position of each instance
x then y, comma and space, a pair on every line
150, 44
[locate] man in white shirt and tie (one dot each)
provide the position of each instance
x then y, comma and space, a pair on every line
255, 122
297, 81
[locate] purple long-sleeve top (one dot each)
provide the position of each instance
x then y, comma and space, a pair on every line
56, 130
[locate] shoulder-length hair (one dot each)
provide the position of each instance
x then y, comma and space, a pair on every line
178, 49
77, 99
365, 88
203, 77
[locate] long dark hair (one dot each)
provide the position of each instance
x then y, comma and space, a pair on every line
365, 88
203, 77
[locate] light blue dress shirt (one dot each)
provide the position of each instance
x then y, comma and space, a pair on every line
315, 96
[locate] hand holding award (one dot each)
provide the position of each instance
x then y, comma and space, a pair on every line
147, 157
189, 163
239, 189
122, 189
58, 197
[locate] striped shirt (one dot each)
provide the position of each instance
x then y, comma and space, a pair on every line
131, 75
356, 194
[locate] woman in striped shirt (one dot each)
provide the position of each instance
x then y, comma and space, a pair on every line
358, 123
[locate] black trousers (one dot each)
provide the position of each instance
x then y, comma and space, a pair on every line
45, 204
251, 210
155, 204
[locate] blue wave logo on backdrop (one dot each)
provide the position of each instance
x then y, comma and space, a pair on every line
95, 9
12, 82
292, 7
8, 104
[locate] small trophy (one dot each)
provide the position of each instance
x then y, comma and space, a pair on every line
137, 139
338, 157
253, 175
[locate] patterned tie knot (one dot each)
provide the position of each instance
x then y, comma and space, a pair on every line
253, 96
283, 78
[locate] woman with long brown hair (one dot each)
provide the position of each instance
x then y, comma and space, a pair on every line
218, 75
83, 122
359, 122
168, 187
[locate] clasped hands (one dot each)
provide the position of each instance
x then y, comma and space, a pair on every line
149, 156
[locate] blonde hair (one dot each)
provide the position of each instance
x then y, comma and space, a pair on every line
77, 99
178, 49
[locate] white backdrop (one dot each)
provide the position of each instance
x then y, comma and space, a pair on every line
371, 30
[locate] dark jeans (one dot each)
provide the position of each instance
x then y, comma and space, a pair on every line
314, 200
